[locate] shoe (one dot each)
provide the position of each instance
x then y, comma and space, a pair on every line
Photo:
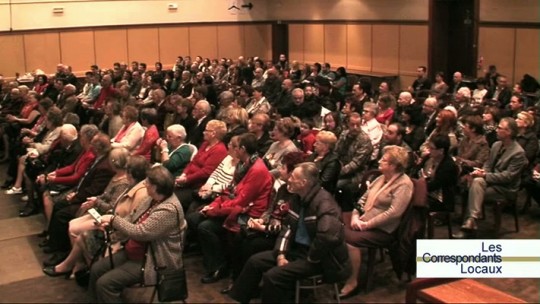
214, 276
352, 293
43, 234
55, 259
51, 271
227, 289
7, 184
14, 190
469, 224
28, 212
48, 249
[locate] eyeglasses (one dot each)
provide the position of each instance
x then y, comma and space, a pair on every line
208, 130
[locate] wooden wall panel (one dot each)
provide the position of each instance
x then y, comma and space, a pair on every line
111, 47
527, 50
77, 50
335, 44
143, 45
385, 49
296, 42
173, 42
359, 44
496, 45
413, 48
12, 55
230, 41
42, 51
313, 43
203, 41
258, 40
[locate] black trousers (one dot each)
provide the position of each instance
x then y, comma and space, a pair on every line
212, 239
242, 248
278, 283
63, 212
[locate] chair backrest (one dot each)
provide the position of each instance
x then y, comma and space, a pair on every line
411, 228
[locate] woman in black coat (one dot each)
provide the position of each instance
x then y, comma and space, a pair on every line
326, 160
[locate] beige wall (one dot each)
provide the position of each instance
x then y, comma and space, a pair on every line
348, 9
363, 48
515, 51
37, 14
25, 52
510, 10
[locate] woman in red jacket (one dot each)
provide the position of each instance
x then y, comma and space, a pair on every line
209, 156
248, 194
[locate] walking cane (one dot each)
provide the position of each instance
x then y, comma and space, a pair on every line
108, 243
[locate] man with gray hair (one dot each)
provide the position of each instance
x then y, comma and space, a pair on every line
258, 80
63, 152
499, 179
201, 113
312, 242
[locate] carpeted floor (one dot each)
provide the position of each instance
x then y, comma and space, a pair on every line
22, 281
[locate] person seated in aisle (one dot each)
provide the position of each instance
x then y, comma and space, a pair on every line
155, 231
354, 150
175, 153
65, 205
131, 133
499, 178
63, 152
22, 113
29, 136
33, 149
310, 243
248, 194
208, 157
378, 213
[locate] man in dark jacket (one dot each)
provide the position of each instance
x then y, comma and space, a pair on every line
310, 243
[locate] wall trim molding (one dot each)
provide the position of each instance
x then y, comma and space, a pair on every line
132, 26
506, 24
386, 22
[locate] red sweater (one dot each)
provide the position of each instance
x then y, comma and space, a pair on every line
204, 163
72, 174
255, 187
150, 137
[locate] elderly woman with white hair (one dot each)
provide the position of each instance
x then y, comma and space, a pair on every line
463, 102
175, 153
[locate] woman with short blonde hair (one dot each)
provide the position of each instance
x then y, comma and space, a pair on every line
326, 160
378, 213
